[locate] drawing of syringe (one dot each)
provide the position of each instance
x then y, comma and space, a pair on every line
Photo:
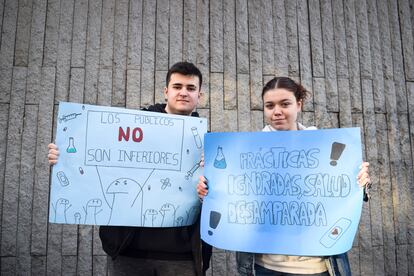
69, 117
193, 169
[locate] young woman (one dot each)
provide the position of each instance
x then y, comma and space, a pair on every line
283, 100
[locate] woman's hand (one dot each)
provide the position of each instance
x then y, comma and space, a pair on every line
53, 154
202, 188
364, 180
363, 176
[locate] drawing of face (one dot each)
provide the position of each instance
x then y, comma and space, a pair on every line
281, 109
167, 207
62, 201
151, 212
94, 203
182, 94
77, 217
122, 186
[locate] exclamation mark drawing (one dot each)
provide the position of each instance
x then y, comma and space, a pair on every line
214, 220
336, 151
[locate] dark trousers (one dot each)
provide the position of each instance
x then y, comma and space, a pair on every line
125, 266
262, 271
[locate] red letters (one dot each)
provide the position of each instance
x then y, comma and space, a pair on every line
134, 134
137, 134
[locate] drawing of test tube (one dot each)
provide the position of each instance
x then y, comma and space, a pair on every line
197, 138
69, 117
192, 170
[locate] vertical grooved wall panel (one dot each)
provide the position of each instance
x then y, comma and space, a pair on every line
229, 53
316, 39
397, 55
120, 53
134, 34
216, 35
242, 37
353, 57
107, 34
28, 157
37, 33
305, 64
80, 19
274, 38
363, 39
376, 57
51, 33
255, 55
41, 184
366, 232
406, 27
8, 33
5, 84
1, 15
93, 43
64, 50
148, 53
203, 49
13, 158
23, 33
329, 58
292, 38
162, 34
176, 32
190, 31
4, 118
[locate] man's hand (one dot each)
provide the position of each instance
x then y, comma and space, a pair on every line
53, 154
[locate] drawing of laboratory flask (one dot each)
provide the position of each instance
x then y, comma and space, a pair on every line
220, 161
71, 148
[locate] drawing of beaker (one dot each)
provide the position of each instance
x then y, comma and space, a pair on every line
220, 161
71, 148
197, 138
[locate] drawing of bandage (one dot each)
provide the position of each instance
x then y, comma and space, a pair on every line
69, 117
335, 232
197, 138
192, 170
62, 178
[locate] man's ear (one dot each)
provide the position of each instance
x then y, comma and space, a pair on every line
165, 93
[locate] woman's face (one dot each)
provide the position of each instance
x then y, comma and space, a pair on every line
281, 109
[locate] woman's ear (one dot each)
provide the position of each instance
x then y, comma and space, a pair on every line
300, 105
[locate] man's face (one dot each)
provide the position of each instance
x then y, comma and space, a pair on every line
182, 94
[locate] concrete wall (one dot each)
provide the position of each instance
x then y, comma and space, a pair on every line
356, 56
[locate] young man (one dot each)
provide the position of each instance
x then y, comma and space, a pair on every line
159, 251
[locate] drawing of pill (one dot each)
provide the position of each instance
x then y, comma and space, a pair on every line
62, 178
335, 232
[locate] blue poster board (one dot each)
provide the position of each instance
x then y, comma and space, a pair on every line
125, 167
282, 192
